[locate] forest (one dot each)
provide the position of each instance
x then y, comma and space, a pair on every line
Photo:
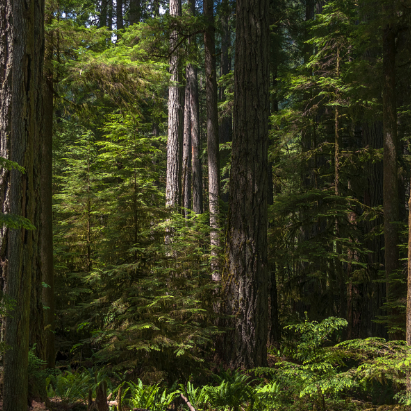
205, 205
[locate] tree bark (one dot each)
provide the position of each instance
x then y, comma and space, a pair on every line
28, 53
246, 275
134, 13
187, 152
408, 312
119, 14
6, 54
197, 175
212, 137
103, 14
390, 181
226, 125
46, 236
174, 127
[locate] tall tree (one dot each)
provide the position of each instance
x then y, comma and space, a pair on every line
226, 123
174, 126
134, 13
192, 84
186, 172
27, 76
46, 227
119, 14
390, 178
212, 135
103, 13
6, 53
246, 275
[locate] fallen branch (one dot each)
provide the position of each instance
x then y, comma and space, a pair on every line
190, 407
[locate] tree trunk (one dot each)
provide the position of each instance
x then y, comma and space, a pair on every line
373, 197
408, 312
212, 137
187, 152
46, 237
110, 15
103, 13
134, 13
225, 130
390, 182
246, 276
6, 54
192, 83
28, 53
119, 14
174, 126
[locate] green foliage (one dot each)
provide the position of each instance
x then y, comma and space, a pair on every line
233, 391
72, 386
150, 397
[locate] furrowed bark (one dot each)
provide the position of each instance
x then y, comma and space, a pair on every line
28, 53
187, 152
246, 274
197, 176
46, 237
6, 54
174, 127
212, 137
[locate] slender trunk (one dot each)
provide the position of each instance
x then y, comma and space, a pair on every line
225, 130
390, 182
212, 137
103, 13
134, 13
46, 236
110, 15
119, 14
342, 310
6, 54
27, 76
174, 127
187, 152
246, 276
192, 83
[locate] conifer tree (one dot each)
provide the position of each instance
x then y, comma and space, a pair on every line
28, 49
246, 274
212, 135
173, 186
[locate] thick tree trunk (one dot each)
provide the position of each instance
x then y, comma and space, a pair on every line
28, 53
186, 174
174, 126
390, 182
246, 276
6, 54
192, 83
212, 137
119, 14
46, 233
